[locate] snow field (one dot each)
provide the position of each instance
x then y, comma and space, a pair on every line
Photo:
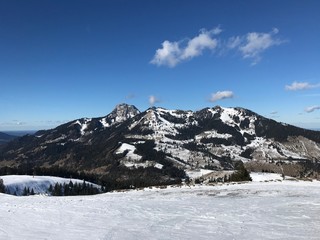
261, 177
258, 210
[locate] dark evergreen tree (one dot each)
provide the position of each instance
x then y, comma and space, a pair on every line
72, 189
241, 173
2, 187
57, 190
50, 189
25, 192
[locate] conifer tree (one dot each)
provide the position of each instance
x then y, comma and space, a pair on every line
2, 187
25, 192
50, 189
241, 173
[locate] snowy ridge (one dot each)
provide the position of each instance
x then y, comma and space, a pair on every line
233, 133
121, 113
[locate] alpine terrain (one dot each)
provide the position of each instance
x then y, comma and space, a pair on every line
128, 147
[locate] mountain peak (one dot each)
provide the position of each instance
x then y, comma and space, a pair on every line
123, 111
120, 108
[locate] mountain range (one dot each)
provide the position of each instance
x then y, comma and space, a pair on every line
160, 144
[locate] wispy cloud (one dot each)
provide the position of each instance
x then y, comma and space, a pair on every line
220, 95
250, 45
274, 114
311, 109
295, 86
254, 44
234, 42
311, 95
130, 96
173, 53
17, 122
153, 99
13, 123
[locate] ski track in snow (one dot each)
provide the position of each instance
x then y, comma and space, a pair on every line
257, 210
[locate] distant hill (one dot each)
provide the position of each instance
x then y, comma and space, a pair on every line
20, 133
4, 137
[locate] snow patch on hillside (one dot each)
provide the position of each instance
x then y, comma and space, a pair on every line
227, 115
125, 147
193, 174
83, 123
261, 177
212, 134
104, 122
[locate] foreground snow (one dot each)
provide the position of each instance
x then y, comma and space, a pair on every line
257, 210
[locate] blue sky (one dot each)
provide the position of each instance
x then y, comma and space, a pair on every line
62, 60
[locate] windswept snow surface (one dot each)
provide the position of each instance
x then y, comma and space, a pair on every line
257, 210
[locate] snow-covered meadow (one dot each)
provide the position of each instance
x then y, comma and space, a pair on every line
257, 210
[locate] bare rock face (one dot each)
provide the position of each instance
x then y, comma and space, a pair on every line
122, 112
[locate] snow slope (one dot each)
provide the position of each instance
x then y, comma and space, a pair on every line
257, 210
260, 177
39, 184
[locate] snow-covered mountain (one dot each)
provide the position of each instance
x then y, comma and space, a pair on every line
167, 140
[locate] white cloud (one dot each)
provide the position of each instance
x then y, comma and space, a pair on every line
215, 31
301, 86
250, 45
234, 42
311, 109
220, 95
153, 99
196, 45
274, 113
168, 55
255, 43
173, 53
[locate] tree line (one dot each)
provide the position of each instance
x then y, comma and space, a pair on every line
73, 189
